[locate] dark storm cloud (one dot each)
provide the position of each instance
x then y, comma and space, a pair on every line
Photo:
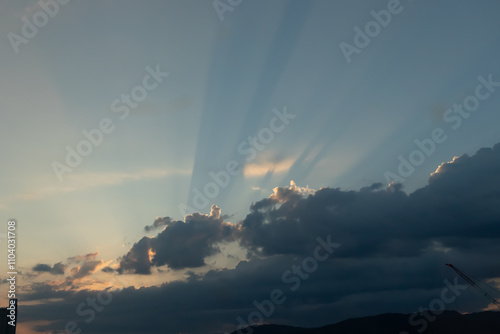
212, 302
137, 260
459, 208
391, 259
56, 269
41, 291
182, 244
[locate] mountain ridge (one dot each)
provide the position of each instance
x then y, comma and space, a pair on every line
448, 322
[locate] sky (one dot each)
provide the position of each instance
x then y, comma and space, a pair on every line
175, 160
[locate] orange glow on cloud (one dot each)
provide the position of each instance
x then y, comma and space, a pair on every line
261, 169
151, 254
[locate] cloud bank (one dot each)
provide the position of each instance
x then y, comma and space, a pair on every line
393, 250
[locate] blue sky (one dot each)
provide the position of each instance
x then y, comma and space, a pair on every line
225, 77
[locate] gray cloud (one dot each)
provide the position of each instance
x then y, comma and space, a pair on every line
212, 302
159, 222
458, 209
81, 258
182, 244
86, 269
108, 269
82, 266
56, 269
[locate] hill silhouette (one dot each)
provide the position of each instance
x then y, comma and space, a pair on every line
448, 322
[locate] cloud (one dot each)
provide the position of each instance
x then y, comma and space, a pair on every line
84, 181
212, 302
182, 244
80, 258
391, 259
107, 269
159, 222
56, 269
293, 191
86, 269
458, 208
82, 266
372, 222
137, 260
39, 291
264, 168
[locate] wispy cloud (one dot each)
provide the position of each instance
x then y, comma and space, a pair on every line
263, 168
86, 181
